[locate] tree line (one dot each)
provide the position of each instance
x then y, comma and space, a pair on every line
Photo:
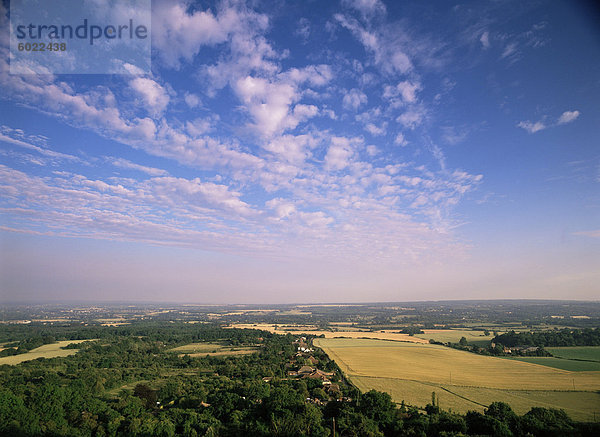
561, 337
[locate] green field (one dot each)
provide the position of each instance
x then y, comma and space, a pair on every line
462, 380
588, 353
562, 363
574, 359
46, 351
454, 335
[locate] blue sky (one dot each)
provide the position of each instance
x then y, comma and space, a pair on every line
313, 151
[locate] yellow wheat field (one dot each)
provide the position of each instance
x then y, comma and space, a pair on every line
462, 381
307, 329
442, 365
580, 405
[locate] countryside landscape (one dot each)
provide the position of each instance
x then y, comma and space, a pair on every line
423, 368
315, 218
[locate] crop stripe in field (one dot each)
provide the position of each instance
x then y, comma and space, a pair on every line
429, 384
462, 397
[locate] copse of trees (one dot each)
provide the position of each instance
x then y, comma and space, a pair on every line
532, 343
563, 337
411, 330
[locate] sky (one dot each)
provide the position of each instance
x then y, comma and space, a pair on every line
313, 151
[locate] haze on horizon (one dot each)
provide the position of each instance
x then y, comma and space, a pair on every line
290, 152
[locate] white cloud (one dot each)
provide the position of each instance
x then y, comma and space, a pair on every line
303, 29
376, 130
353, 99
178, 34
293, 149
532, 127
400, 140
593, 234
453, 135
485, 40
269, 105
162, 210
98, 110
273, 102
153, 95
405, 90
509, 50
408, 91
387, 54
339, 154
201, 126
315, 75
192, 100
28, 145
318, 177
568, 117
195, 192
124, 163
372, 150
304, 112
329, 113
412, 118
316, 219
283, 208
367, 8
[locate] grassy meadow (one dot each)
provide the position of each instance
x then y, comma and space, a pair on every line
462, 380
574, 358
588, 353
562, 363
46, 351
215, 349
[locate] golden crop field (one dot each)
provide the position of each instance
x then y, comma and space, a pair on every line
462, 380
580, 405
46, 351
308, 329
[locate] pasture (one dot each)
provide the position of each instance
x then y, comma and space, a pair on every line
213, 349
562, 363
46, 351
462, 380
588, 353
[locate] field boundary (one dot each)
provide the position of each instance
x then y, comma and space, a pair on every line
463, 397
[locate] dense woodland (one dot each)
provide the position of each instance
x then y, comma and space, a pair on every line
126, 382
